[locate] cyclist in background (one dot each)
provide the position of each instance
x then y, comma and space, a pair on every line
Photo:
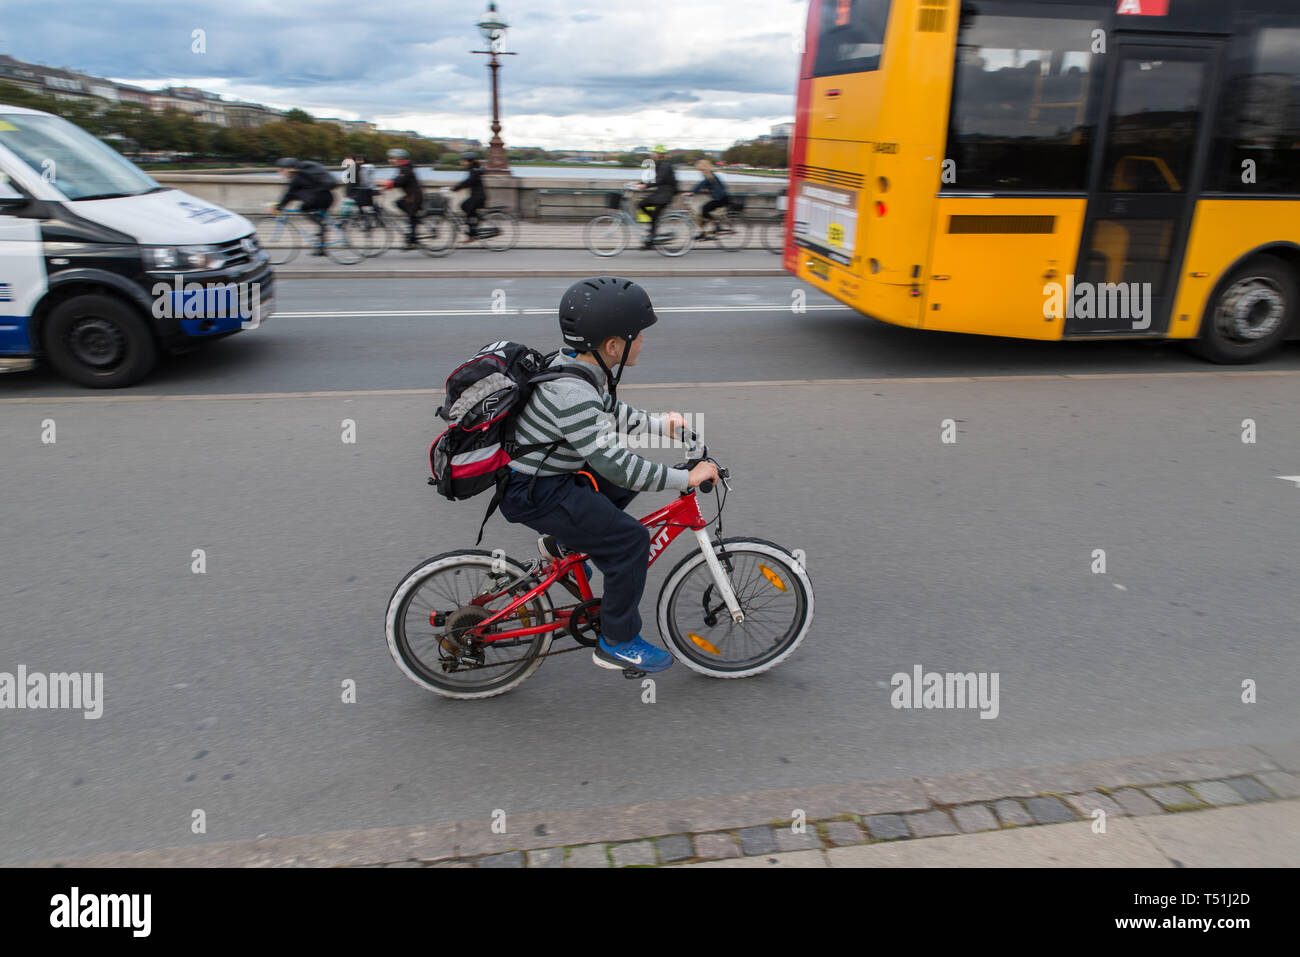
717, 190
412, 201
360, 177
473, 182
662, 191
312, 185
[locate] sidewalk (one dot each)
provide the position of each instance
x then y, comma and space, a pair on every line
1220, 807
545, 250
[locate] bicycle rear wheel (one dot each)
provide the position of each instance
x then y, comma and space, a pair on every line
279, 236
773, 592
434, 607
733, 232
606, 235
676, 235
498, 231
436, 234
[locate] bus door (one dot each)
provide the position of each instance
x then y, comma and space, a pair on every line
1146, 169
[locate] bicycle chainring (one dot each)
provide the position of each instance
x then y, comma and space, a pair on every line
584, 623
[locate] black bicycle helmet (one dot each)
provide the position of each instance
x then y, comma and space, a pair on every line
605, 307
287, 162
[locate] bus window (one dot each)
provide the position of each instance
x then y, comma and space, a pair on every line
1020, 104
1259, 149
851, 37
1153, 126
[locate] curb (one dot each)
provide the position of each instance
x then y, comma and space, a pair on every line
650, 272
755, 824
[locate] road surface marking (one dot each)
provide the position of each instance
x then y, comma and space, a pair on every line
403, 313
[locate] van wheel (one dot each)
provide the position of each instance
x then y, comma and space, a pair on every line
97, 341
1251, 314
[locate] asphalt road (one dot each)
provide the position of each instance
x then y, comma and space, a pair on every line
223, 691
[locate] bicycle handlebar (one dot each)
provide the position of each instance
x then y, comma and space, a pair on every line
696, 453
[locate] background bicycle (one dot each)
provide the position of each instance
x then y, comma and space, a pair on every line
369, 229
442, 227
285, 233
610, 233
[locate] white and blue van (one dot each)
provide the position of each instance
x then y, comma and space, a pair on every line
102, 268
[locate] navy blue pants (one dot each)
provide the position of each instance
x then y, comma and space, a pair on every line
594, 522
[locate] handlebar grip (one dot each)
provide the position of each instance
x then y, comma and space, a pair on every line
706, 486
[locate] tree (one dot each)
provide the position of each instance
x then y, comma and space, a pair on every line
298, 116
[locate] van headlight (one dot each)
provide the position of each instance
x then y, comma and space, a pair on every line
183, 258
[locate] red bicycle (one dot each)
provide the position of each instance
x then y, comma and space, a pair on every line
474, 623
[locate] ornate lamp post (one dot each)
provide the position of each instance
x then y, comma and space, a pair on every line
493, 27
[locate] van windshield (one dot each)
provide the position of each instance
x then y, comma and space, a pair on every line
76, 163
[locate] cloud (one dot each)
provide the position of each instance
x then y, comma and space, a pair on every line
679, 60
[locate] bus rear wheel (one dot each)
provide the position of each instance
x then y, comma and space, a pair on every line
1251, 313
98, 341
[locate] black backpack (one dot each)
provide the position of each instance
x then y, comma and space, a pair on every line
485, 395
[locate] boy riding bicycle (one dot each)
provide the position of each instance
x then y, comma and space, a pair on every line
576, 483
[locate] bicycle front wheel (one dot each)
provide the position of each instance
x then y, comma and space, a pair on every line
774, 236
773, 592
676, 235
436, 234
279, 236
368, 235
433, 610
498, 231
606, 235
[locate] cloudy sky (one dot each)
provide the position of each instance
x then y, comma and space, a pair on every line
692, 73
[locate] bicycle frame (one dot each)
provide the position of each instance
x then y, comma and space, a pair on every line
665, 524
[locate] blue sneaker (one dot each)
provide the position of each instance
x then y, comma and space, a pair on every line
637, 654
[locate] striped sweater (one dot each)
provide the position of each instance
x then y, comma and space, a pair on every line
587, 424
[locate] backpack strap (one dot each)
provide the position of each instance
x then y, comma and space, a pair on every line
498, 494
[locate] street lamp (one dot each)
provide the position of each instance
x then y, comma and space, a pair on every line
493, 27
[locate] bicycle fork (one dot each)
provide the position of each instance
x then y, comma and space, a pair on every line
720, 580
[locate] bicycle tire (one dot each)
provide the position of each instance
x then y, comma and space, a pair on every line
737, 235
507, 230
279, 235
680, 613
606, 235
676, 235
435, 679
338, 245
774, 236
436, 234
369, 235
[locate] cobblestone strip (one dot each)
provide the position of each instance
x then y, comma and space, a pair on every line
847, 830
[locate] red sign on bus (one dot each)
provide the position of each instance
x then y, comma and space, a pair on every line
1144, 8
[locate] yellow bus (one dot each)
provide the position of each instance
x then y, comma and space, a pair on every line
1054, 169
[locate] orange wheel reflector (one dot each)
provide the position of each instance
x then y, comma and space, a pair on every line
707, 646
772, 576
